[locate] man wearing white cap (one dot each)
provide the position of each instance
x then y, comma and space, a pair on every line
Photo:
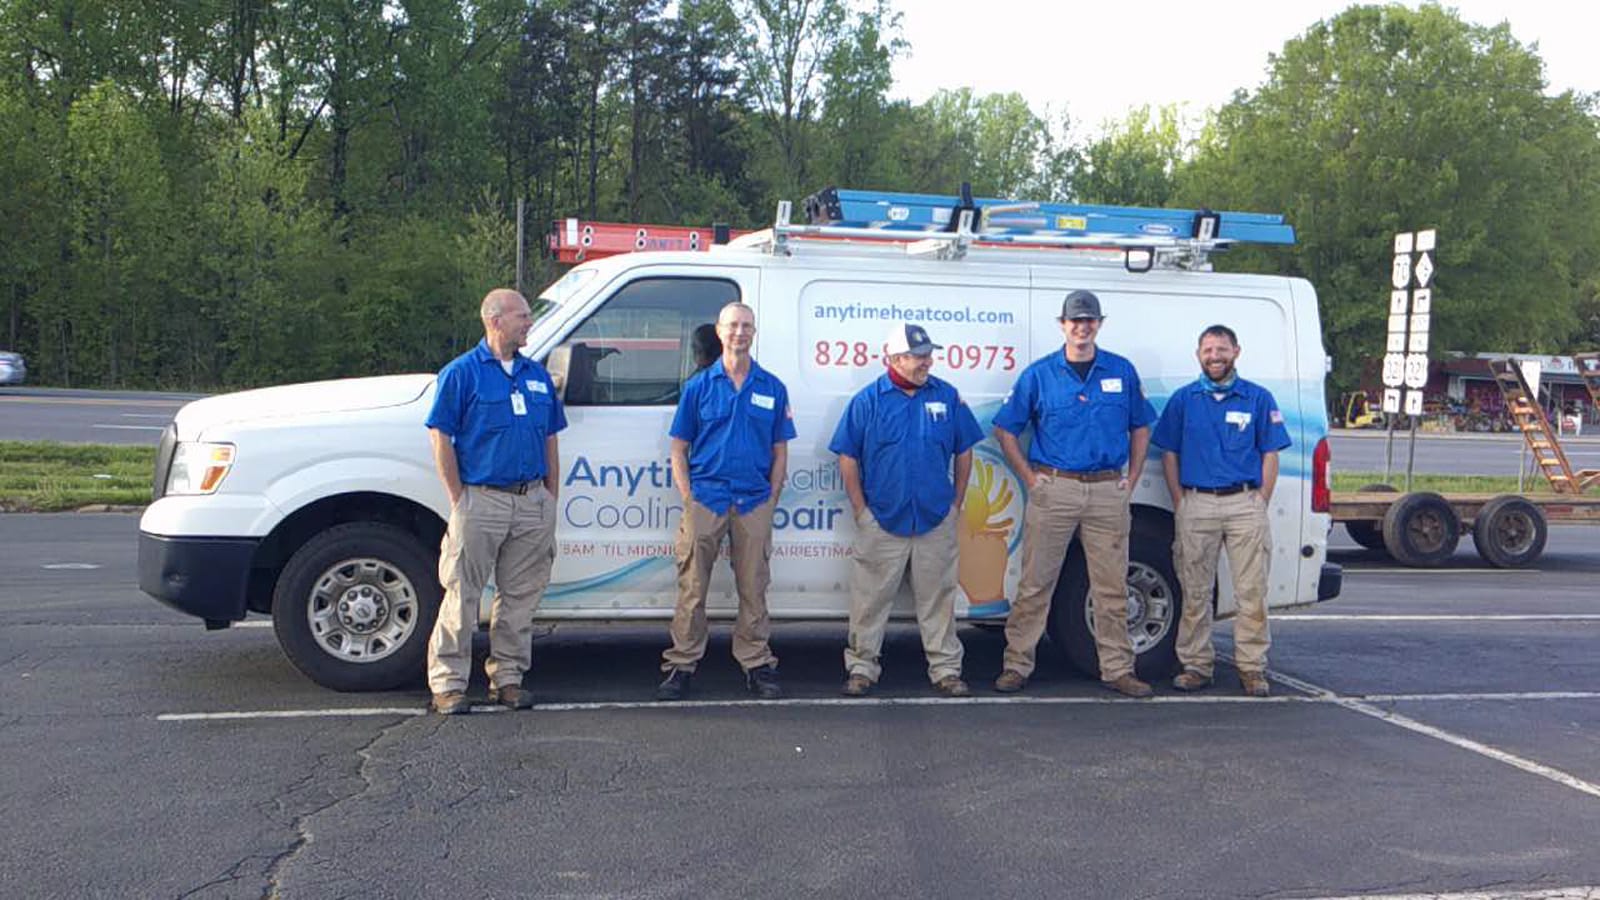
898, 443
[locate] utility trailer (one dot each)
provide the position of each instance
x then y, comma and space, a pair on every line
1422, 528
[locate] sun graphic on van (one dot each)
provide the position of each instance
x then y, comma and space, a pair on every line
985, 535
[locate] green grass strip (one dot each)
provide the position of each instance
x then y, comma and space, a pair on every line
45, 476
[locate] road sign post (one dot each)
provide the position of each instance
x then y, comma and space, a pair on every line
1405, 360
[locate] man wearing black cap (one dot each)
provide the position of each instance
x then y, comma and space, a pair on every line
897, 444
1089, 418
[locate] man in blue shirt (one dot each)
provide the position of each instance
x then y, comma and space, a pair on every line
1090, 418
493, 426
1222, 436
730, 454
896, 444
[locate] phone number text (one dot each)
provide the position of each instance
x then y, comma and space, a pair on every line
844, 354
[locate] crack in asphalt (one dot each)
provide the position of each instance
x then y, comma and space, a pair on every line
301, 825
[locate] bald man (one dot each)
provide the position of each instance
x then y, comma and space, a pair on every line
493, 427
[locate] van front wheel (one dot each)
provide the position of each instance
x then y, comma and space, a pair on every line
355, 606
1155, 605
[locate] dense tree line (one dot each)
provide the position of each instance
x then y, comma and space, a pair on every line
239, 192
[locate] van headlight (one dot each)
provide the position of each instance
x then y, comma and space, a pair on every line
199, 468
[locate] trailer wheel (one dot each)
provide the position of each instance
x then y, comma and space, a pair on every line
1421, 529
355, 606
1509, 532
1369, 534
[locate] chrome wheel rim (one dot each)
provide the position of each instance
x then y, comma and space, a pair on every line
362, 610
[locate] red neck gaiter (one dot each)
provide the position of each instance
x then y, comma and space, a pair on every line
900, 381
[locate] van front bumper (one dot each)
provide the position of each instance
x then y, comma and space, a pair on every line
201, 576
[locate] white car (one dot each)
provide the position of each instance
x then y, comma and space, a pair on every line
13, 369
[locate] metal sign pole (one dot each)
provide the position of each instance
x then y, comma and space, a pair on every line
520, 202
1388, 449
1411, 459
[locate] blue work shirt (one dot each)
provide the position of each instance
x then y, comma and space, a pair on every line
904, 444
1219, 442
499, 439
1079, 424
730, 434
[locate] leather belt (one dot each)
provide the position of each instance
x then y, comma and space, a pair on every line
1225, 491
1087, 477
520, 487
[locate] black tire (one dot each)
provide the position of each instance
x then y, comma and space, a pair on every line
391, 581
1369, 534
1510, 532
1421, 529
1156, 607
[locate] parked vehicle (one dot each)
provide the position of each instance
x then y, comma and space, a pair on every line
318, 503
13, 369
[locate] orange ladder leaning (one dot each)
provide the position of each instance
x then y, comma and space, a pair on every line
1535, 426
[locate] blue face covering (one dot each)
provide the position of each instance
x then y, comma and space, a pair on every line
1225, 384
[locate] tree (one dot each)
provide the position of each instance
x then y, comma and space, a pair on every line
1385, 119
1134, 162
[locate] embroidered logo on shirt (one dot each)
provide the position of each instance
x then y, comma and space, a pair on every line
765, 401
1111, 385
936, 410
1276, 418
1235, 417
537, 387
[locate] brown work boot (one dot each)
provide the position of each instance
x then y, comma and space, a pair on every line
952, 686
856, 685
512, 696
451, 703
1129, 686
1254, 684
1010, 682
1190, 680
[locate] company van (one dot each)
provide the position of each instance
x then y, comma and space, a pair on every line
319, 505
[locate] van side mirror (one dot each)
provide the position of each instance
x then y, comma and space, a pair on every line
557, 364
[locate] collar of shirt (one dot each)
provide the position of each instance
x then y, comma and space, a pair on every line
484, 355
1064, 366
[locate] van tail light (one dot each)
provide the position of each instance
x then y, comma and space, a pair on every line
1321, 477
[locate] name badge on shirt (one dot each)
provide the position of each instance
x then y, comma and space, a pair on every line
764, 401
1111, 385
535, 386
936, 410
518, 405
1235, 417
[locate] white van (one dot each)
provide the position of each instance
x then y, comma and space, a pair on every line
319, 504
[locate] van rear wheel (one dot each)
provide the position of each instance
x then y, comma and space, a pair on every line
1155, 605
355, 606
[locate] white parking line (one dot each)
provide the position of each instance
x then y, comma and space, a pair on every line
1588, 892
1393, 718
131, 427
1401, 570
1311, 696
1438, 617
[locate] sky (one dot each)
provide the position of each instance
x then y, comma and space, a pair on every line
1098, 60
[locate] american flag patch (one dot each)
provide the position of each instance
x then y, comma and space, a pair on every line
1276, 417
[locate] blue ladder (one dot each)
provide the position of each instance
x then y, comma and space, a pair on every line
891, 211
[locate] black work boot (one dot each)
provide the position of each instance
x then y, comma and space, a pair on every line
763, 682
675, 686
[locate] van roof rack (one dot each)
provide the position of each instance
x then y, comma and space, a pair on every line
948, 226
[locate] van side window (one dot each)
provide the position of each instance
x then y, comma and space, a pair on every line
637, 349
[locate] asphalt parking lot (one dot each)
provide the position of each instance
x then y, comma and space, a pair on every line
1430, 732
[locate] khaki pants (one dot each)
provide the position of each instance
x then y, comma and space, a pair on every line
511, 538
1207, 524
700, 533
1098, 513
875, 574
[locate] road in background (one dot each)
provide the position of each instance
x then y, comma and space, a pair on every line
87, 417
1450, 454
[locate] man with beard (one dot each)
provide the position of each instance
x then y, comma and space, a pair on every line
493, 426
1221, 435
